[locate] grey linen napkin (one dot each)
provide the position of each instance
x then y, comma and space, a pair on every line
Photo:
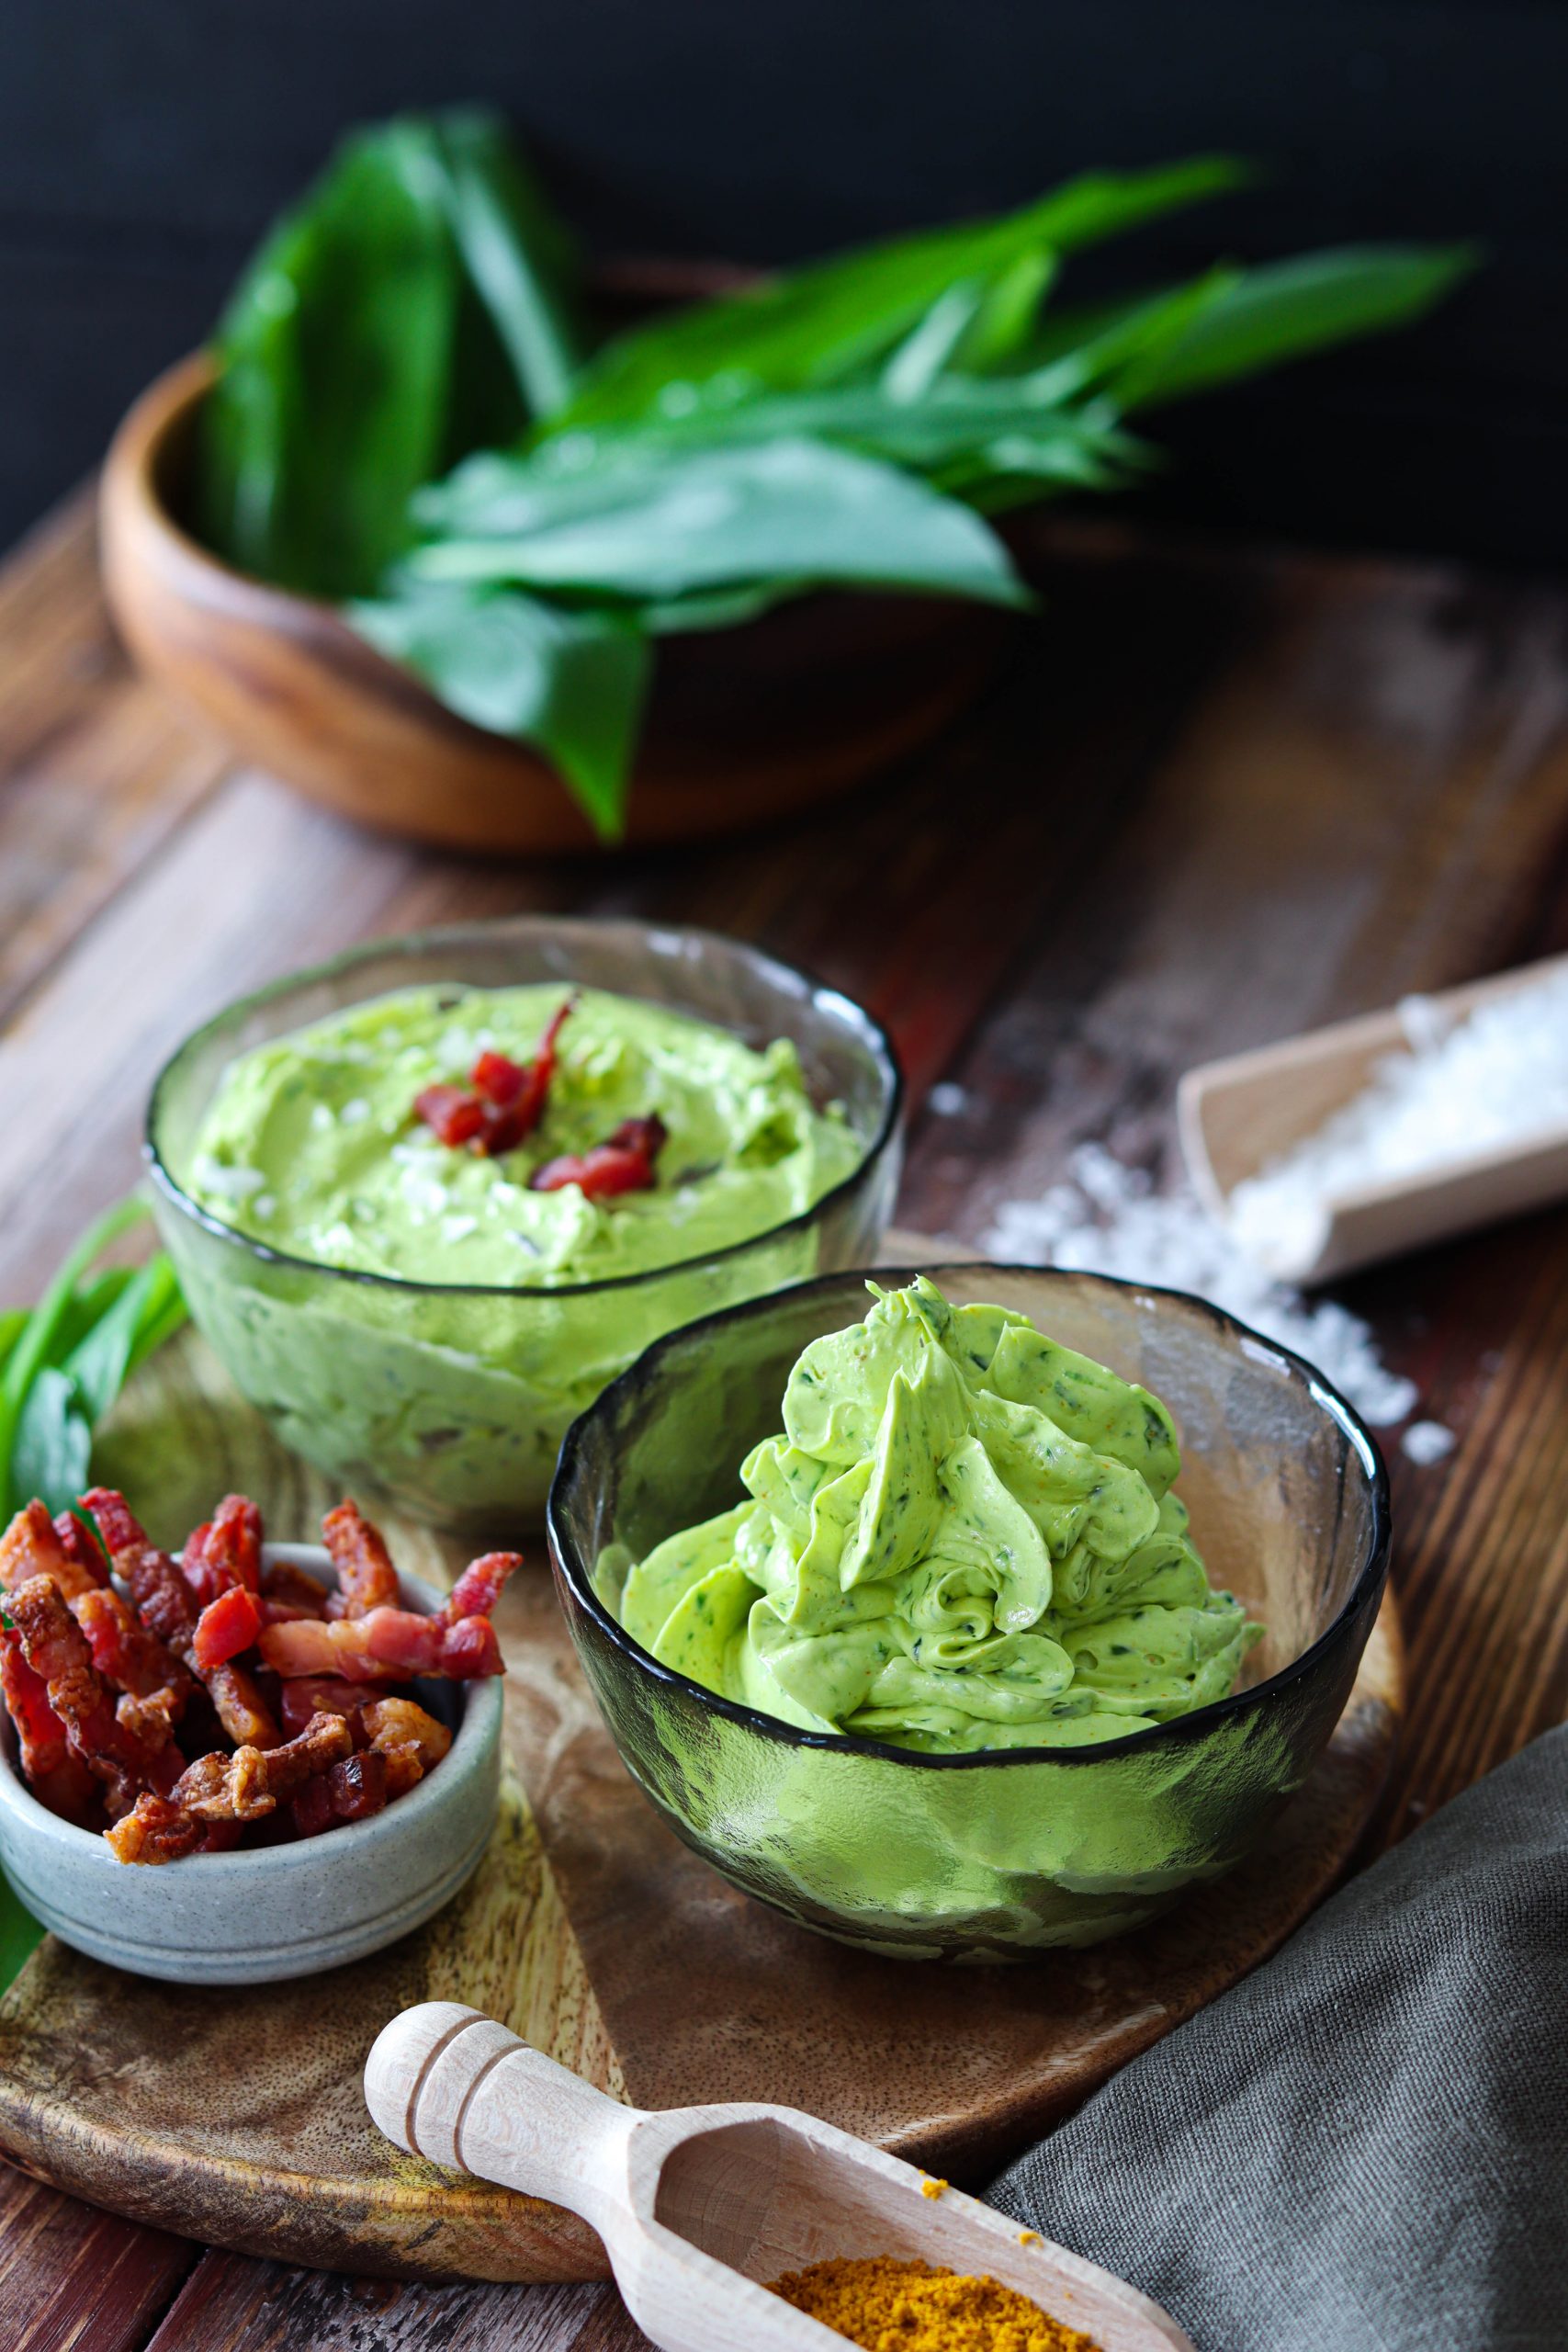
1363, 2147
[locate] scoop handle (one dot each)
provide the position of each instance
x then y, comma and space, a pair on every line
444, 2082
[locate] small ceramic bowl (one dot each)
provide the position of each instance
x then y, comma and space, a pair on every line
255, 1916
994, 1855
454, 1397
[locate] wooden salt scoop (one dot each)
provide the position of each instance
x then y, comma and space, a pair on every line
1236, 1117
701, 2207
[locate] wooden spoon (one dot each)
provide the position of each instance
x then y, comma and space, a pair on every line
701, 2207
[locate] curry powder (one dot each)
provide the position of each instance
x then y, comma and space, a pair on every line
889, 2306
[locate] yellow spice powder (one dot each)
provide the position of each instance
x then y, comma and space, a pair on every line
889, 2306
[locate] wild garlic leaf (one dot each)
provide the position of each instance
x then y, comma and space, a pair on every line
69, 1356
1283, 311
54, 1446
819, 325
417, 303
570, 682
658, 525
334, 355
1235, 322
954, 417
517, 255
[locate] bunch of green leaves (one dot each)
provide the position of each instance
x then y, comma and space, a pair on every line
410, 416
63, 1361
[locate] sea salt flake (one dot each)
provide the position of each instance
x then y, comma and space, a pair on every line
230, 1183
1108, 1220
946, 1101
1428, 1442
1491, 1082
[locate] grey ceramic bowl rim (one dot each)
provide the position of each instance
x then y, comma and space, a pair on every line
477, 1729
1367, 1588
873, 1035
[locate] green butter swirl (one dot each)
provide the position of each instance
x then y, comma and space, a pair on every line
965, 1537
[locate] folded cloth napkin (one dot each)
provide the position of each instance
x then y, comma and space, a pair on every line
1363, 2147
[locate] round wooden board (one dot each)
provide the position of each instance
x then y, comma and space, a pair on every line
236, 2115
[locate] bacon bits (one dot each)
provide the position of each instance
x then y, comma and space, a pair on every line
225, 1627
366, 1576
624, 1162
502, 1102
102, 1675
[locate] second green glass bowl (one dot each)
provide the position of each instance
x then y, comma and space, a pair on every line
985, 1857
453, 1399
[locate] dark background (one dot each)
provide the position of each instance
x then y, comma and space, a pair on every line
144, 143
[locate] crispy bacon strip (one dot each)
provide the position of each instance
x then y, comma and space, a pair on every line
325, 1694
32, 1546
389, 1643
156, 1684
350, 1792
411, 1741
287, 1591
166, 1606
56, 1648
77, 1542
124, 1653
404, 1722
156, 1829
57, 1776
225, 1551
244, 1786
624, 1162
366, 1578
504, 1101
225, 1627
480, 1587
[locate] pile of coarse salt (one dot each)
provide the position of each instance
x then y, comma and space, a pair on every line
1107, 1218
1484, 1083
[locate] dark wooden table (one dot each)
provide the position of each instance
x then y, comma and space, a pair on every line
1220, 796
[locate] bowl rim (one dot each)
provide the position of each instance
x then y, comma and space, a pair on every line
1366, 1588
479, 1727
883, 1051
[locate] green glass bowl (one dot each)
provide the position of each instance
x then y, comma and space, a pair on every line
453, 1398
979, 1857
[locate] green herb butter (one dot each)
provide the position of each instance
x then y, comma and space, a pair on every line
311, 1142
965, 1537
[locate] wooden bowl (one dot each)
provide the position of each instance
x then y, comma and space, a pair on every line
743, 725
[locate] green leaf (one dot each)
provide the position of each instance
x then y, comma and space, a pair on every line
915, 366
54, 1440
819, 325
417, 303
517, 255
20, 1934
571, 683
60, 1376
659, 525
1245, 320
329, 406
1007, 315
956, 418
100, 1362
718, 608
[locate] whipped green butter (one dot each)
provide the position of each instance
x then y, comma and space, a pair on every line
963, 1538
311, 1142
455, 1397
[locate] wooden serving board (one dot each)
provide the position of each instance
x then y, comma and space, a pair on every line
236, 2115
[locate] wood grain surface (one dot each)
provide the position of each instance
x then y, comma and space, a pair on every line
1220, 795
